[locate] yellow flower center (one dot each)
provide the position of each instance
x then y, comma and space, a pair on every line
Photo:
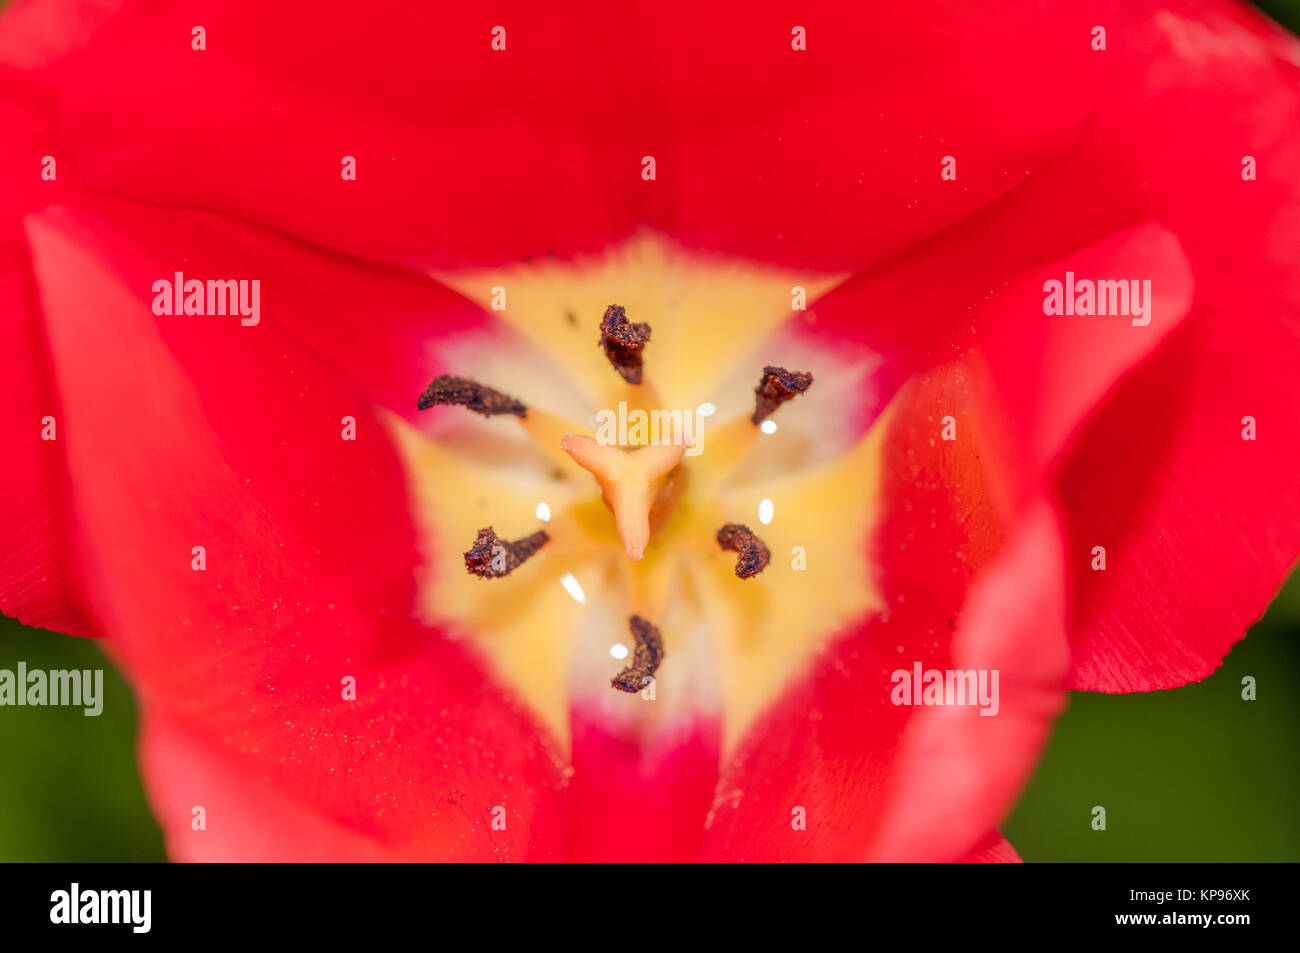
556, 628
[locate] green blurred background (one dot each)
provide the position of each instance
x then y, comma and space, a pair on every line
1192, 774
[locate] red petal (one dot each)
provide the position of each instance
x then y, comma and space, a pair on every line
36, 33
1200, 526
881, 781
197, 431
234, 814
1051, 372
477, 156
640, 798
994, 849
389, 332
36, 586
957, 771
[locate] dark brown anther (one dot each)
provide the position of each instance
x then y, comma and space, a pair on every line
776, 387
492, 557
623, 342
648, 654
753, 552
471, 395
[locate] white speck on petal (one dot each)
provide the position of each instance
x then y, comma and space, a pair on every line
571, 586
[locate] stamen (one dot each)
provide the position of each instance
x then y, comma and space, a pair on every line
753, 552
492, 557
623, 342
776, 387
645, 659
471, 395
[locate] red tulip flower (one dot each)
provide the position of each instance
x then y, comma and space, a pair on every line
987, 320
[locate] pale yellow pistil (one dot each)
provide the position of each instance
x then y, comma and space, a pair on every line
636, 483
